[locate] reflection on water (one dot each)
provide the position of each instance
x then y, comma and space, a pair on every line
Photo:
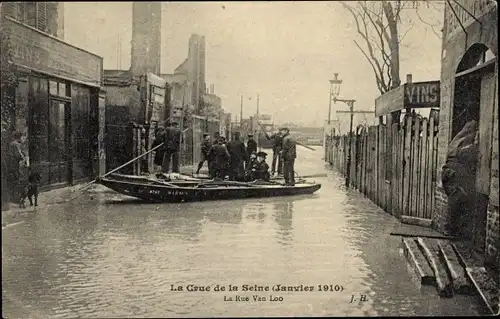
283, 214
109, 259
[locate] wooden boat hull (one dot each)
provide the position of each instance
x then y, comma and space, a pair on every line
166, 194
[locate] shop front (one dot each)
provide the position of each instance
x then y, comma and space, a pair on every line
57, 105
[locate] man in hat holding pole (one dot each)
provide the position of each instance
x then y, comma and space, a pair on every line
288, 153
172, 138
277, 140
205, 150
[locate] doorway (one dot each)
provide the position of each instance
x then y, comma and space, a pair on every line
59, 141
475, 95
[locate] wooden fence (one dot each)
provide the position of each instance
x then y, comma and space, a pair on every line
396, 169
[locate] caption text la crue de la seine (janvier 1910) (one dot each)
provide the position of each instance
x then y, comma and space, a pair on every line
232, 292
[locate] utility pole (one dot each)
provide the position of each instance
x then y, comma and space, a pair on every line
241, 110
350, 104
330, 108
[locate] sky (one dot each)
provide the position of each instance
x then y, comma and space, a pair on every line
283, 51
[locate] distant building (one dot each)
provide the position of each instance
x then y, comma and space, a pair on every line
187, 83
211, 104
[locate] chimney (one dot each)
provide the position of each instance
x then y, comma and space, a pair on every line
146, 38
212, 89
408, 78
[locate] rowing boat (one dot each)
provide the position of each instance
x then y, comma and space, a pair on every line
157, 190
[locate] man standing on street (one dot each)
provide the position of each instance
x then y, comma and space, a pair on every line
288, 153
251, 147
277, 139
238, 154
172, 137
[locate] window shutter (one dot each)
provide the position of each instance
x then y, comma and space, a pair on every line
41, 23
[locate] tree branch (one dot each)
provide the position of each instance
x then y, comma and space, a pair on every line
377, 78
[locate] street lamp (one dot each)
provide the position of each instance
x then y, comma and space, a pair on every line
334, 92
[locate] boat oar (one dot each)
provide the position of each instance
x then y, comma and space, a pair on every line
268, 137
84, 187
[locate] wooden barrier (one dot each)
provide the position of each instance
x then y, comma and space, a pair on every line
411, 158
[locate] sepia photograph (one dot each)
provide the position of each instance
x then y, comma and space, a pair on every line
191, 159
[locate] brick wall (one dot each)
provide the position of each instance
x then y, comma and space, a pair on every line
492, 236
440, 213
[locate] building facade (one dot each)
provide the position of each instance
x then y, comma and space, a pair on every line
58, 98
469, 84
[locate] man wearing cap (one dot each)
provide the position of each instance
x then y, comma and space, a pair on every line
238, 154
260, 169
288, 153
251, 144
277, 140
172, 138
205, 150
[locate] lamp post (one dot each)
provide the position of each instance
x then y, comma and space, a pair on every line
334, 91
350, 103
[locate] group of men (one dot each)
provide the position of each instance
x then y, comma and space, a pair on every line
234, 159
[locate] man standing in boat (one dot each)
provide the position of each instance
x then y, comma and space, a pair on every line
288, 153
238, 156
219, 158
277, 139
172, 138
251, 147
205, 150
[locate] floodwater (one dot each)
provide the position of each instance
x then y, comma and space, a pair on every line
114, 257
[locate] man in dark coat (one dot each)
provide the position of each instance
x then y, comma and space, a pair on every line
205, 150
238, 155
15, 156
172, 138
288, 153
277, 140
219, 158
160, 152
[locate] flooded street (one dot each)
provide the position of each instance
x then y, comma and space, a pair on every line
111, 256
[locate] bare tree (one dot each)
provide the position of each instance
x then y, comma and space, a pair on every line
378, 24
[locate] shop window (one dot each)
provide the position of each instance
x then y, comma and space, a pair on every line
39, 119
53, 87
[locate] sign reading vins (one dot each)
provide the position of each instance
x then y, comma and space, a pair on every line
422, 94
